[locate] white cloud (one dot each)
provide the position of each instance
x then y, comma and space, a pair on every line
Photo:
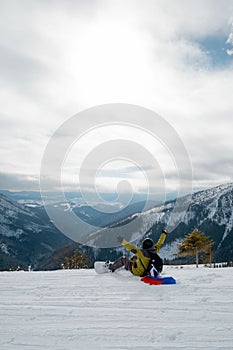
58, 59
230, 42
230, 37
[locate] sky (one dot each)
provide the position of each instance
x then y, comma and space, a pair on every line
58, 58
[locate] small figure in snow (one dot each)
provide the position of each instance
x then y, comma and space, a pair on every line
145, 261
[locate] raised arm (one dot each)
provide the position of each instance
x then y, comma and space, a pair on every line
130, 246
160, 241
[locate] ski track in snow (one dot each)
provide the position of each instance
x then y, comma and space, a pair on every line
78, 309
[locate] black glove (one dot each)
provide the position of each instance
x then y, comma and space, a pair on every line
120, 239
164, 232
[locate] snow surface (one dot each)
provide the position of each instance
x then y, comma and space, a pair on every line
78, 309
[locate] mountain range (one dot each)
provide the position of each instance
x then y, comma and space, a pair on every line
28, 237
25, 236
210, 211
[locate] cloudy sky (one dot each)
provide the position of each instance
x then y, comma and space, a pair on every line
58, 58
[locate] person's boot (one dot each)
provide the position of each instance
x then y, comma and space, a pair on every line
109, 265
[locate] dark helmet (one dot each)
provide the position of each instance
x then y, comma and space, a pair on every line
147, 243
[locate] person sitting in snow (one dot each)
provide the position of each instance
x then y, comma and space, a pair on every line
145, 261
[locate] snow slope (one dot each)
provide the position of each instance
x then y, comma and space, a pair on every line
78, 309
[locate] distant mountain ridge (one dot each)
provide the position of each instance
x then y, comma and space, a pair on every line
24, 236
27, 235
209, 210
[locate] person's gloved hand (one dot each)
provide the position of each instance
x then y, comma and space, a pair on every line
134, 251
120, 239
164, 231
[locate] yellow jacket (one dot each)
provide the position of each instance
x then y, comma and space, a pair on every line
140, 262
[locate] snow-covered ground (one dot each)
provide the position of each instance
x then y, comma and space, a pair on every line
78, 309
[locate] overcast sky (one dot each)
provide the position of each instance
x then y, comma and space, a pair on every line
58, 58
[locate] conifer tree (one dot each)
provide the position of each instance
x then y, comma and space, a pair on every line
194, 243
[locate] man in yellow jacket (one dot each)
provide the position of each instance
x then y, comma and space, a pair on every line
139, 264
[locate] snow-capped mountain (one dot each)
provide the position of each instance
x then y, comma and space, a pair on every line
210, 210
24, 236
27, 236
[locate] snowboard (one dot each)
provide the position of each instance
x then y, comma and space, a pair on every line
158, 280
100, 267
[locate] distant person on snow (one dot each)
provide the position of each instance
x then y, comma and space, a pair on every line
145, 261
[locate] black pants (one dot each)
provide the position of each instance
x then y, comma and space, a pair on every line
122, 261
